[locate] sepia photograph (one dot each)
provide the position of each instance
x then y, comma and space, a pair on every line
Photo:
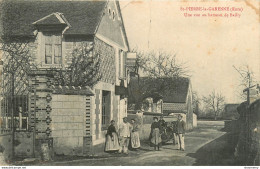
129, 83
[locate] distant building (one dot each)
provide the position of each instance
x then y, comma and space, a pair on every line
230, 112
178, 100
175, 93
254, 93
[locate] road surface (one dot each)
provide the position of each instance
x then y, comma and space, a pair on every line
207, 145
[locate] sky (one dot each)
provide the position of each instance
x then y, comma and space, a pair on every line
209, 45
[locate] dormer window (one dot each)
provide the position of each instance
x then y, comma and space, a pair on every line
53, 48
51, 28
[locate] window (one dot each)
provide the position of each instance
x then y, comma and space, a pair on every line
105, 109
109, 12
53, 49
113, 15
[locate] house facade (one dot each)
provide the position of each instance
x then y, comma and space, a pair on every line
178, 100
73, 119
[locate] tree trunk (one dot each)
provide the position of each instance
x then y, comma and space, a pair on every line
215, 116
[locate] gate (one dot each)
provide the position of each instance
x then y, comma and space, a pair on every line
19, 104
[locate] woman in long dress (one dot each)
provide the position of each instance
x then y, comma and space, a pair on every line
135, 140
112, 144
155, 134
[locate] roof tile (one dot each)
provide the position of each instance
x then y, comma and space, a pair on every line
17, 16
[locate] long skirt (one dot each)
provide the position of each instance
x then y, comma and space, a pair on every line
112, 145
156, 137
135, 140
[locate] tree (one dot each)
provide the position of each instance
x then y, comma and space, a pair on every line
18, 63
247, 80
159, 72
214, 102
84, 69
160, 64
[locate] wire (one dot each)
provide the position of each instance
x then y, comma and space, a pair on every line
150, 25
126, 5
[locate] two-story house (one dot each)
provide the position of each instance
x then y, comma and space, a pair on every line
54, 29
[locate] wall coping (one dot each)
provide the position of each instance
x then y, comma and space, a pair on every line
72, 90
42, 73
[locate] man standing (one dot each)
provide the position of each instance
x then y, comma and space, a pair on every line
124, 136
174, 131
181, 126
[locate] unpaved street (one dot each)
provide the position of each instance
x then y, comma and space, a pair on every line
206, 145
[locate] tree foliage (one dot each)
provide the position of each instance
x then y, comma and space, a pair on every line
84, 69
17, 64
159, 71
160, 64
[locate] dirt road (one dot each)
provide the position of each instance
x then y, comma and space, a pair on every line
206, 145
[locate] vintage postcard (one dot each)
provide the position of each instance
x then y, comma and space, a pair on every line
129, 83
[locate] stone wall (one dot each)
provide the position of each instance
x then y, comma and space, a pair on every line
6, 146
60, 116
24, 144
68, 124
247, 132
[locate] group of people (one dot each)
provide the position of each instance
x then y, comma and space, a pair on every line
159, 127
128, 135
119, 141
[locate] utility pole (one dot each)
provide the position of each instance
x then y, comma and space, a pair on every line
249, 85
247, 77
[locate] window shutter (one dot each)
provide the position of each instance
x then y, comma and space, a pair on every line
124, 64
48, 54
57, 49
57, 54
119, 56
48, 49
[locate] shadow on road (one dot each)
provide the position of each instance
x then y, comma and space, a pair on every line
218, 152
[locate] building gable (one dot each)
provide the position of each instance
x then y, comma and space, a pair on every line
111, 27
51, 19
